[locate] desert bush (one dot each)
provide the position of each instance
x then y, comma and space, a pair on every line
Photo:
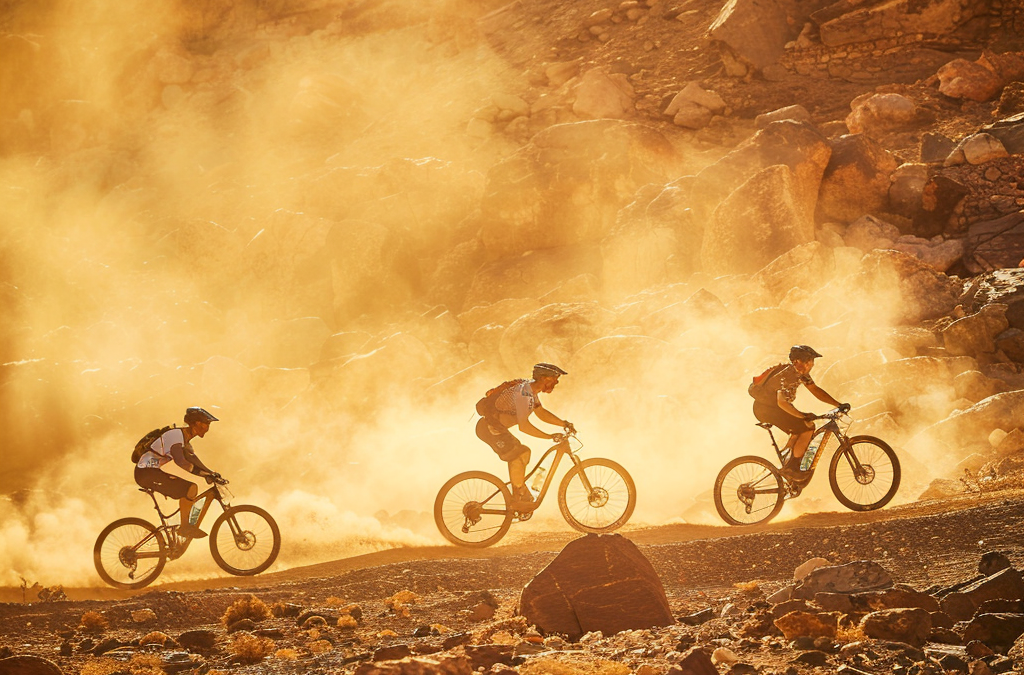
145, 664
847, 634
249, 648
320, 647
101, 666
94, 622
286, 654
246, 608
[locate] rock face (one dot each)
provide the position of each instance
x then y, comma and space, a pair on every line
597, 583
917, 290
902, 625
856, 180
975, 334
756, 31
995, 244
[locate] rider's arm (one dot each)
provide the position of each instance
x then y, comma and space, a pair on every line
786, 405
185, 458
546, 415
823, 395
523, 417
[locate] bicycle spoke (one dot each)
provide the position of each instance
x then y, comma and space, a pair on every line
462, 510
748, 492
245, 541
864, 474
607, 503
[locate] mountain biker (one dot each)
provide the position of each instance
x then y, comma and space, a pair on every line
777, 405
174, 445
513, 406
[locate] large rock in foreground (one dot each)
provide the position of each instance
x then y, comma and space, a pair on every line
597, 583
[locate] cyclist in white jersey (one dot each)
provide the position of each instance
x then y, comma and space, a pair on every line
513, 407
174, 445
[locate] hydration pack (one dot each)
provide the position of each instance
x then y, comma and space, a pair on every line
142, 447
486, 407
758, 389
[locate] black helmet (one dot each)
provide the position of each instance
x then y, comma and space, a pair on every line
803, 353
195, 414
547, 370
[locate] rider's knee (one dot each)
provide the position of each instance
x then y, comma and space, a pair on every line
193, 492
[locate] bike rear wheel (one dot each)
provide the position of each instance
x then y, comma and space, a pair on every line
749, 490
245, 540
472, 509
129, 553
865, 474
605, 505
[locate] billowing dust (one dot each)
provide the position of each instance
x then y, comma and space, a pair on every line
166, 245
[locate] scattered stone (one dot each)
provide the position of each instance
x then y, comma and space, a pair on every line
807, 567
485, 656
901, 625
998, 631
812, 658
143, 615
603, 96
695, 661
868, 233
455, 665
975, 334
993, 561
201, 639
723, 655
796, 113
976, 149
935, 147
970, 80
28, 665
249, 625
861, 575
880, 112
697, 618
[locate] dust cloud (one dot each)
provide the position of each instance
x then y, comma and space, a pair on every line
212, 204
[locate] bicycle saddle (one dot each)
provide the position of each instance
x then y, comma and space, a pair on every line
146, 490
764, 425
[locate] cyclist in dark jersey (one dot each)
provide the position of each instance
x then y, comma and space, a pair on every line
777, 407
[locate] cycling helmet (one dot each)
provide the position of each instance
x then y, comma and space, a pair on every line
195, 414
547, 370
803, 353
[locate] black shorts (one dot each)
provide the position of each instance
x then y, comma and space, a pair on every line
773, 414
504, 443
165, 483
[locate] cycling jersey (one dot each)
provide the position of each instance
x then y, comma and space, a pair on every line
787, 380
518, 401
159, 452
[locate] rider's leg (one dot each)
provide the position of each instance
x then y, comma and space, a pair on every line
186, 528
800, 443
517, 470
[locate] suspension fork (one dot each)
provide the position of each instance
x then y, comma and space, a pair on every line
576, 461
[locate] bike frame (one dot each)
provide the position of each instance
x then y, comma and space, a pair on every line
825, 431
174, 549
560, 449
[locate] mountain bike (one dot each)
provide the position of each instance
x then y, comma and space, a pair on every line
864, 474
130, 553
475, 508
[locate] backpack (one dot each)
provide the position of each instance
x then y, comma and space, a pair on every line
758, 389
142, 447
486, 407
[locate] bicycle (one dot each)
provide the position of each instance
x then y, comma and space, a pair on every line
597, 495
864, 474
130, 553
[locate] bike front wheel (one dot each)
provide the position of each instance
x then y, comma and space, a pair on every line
749, 490
864, 474
472, 509
129, 553
245, 540
597, 495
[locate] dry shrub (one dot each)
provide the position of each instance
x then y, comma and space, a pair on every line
286, 654
101, 666
400, 602
747, 586
313, 634
553, 667
320, 647
246, 608
847, 634
346, 621
154, 638
334, 601
515, 625
145, 664
94, 622
251, 649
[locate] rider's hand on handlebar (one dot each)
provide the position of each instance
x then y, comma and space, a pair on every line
214, 477
810, 417
569, 428
558, 438
844, 408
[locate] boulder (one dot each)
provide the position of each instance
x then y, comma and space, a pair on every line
552, 333
197, 640
894, 598
997, 631
692, 116
911, 626
939, 200
1010, 132
418, 665
608, 357
935, 147
995, 561
973, 424
868, 233
755, 31
976, 149
940, 255
797, 113
856, 180
567, 185
503, 312
1006, 286
861, 575
759, 221
28, 665
532, 275
603, 96
975, 334
995, 244
975, 386
906, 188
913, 290
694, 93
805, 624
696, 661
971, 80
808, 266
596, 583
958, 606
669, 322
1005, 584
873, 113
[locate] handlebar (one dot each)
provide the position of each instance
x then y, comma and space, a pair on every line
835, 413
216, 478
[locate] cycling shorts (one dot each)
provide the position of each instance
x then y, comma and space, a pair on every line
773, 414
500, 439
165, 483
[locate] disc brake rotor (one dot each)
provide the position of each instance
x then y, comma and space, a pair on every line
598, 497
865, 475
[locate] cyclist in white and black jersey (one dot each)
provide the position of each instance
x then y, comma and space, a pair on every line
513, 407
175, 445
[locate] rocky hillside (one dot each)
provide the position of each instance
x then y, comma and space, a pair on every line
335, 218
